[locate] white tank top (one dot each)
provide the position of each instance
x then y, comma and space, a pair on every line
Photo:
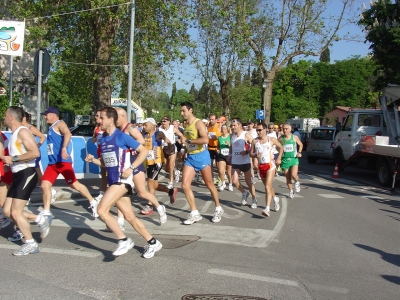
273, 134
238, 145
15, 148
169, 133
253, 133
265, 150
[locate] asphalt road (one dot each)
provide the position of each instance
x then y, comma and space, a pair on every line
337, 239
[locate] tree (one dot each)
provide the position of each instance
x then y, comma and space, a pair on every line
325, 56
94, 33
382, 25
277, 31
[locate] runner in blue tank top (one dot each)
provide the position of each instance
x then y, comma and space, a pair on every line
120, 172
59, 148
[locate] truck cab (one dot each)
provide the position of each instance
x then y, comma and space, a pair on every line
358, 123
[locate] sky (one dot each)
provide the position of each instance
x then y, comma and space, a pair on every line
185, 74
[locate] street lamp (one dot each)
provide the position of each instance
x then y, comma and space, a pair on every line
172, 112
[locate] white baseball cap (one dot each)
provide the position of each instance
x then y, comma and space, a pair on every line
150, 120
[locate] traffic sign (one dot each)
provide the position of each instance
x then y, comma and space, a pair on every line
260, 115
45, 63
3, 91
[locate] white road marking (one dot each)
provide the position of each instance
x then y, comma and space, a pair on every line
330, 196
253, 277
82, 253
326, 288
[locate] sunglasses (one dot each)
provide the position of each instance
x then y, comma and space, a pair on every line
270, 127
164, 120
259, 130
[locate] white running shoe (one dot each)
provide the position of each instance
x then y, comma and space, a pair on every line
265, 212
297, 187
244, 197
99, 197
195, 178
253, 180
44, 227
254, 203
192, 219
170, 185
230, 187
291, 194
276, 202
93, 207
217, 215
27, 248
123, 247
163, 214
54, 196
258, 176
150, 250
177, 174
17, 236
121, 225
222, 187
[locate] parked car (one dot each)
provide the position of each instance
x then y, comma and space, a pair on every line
321, 144
82, 130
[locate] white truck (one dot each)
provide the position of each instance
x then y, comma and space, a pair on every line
304, 124
371, 138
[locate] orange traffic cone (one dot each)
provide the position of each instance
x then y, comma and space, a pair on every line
336, 172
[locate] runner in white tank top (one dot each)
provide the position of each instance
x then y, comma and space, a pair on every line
241, 160
261, 148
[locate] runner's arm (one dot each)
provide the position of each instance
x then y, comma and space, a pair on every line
37, 133
135, 133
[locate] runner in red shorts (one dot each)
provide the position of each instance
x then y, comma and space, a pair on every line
261, 147
59, 148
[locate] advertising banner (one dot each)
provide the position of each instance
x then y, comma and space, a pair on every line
12, 37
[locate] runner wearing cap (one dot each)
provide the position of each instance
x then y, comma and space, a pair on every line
59, 148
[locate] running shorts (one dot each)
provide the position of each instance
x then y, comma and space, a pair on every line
264, 168
153, 171
243, 168
64, 168
289, 162
23, 184
198, 161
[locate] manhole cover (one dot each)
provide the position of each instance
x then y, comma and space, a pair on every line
219, 297
170, 241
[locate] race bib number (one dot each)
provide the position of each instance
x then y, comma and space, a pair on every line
225, 151
211, 135
50, 149
110, 159
192, 147
150, 155
288, 148
265, 159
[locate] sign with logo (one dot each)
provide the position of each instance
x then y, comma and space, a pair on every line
260, 115
12, 37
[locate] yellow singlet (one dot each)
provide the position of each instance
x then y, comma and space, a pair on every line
191, 133
155, 154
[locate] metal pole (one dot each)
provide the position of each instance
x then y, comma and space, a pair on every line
129, 104
10, 84
39, 96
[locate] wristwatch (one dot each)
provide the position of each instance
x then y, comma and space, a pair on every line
188, 141
15, 158
132, 167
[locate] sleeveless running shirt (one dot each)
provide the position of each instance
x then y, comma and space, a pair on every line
289, 147
15, 148
191, 133
213, 134
54, 146
265, 150
155, 155
115, 155
223, 144
239, 145
169, 134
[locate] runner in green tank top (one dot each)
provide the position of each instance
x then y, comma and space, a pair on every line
290, 161
224, 143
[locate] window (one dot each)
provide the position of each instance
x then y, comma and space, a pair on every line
348, 123
369, 120
322, 134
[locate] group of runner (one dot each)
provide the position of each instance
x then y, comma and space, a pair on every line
126, 152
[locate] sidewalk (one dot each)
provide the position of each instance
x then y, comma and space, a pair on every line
65, 192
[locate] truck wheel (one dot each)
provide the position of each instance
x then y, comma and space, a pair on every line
312, 160
384, 174
339, 157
